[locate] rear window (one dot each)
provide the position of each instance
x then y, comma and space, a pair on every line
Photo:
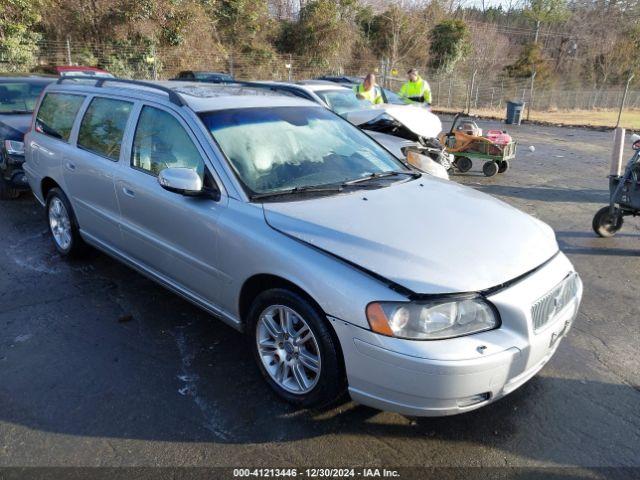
57, 114
103, 126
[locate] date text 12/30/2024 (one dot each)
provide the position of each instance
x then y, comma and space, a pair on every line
316, 472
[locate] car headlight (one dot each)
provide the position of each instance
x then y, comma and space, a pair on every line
432, 320
13, 147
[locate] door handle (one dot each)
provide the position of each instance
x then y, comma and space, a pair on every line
70, 166
128, 192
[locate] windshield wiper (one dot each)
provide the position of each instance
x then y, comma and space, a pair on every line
377, 175
296, 190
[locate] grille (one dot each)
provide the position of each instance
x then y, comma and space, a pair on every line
547, 307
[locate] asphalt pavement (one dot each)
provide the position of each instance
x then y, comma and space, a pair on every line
101, 367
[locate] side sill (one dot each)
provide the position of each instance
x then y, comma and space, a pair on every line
163, 281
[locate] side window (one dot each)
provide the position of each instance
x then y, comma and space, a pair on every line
161, 142
103, 125
57, 113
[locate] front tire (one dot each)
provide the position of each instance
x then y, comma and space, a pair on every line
606, 225
295, 349
63, 226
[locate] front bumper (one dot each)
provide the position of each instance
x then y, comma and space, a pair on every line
447, 377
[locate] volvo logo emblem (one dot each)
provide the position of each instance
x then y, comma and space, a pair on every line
557, 303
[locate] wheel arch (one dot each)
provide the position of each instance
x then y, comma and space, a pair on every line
46, 185
261, 282
258, 283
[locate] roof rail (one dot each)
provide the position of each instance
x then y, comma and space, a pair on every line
174, 97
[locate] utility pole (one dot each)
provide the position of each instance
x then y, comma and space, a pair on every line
68, 51
530, 104
624, 98
470, 91
154, 65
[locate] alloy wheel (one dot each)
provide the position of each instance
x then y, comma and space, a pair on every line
60, 223
288, 349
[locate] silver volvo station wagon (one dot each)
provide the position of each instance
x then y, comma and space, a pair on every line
347, 270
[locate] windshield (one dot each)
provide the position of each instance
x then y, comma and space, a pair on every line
282, 148
19, 96
394, 98
343, 100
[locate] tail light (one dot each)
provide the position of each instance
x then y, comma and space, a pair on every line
35, 110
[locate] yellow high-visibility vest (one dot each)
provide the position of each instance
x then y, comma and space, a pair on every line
372, 95
417, 89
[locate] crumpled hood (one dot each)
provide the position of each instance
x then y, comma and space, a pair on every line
419, 120
441, 237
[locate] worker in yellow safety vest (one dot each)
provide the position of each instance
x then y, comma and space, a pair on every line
368, 90
416, 89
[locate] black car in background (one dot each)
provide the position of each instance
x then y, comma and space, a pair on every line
18, 97
207, 77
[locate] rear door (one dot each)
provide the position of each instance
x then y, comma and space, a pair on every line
89, 169
49, 142
173, 235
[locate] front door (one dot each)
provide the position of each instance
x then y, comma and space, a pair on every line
173, 235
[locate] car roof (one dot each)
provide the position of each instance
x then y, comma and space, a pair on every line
315, 82
321, 87
206, 72
198, 96
80, 68
309, 85
221, 97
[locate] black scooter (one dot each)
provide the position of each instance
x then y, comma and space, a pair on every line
624, 191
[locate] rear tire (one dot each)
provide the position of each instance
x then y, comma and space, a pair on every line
490, 168
463, 164
606, 225
7, 191
63, 225
295, 348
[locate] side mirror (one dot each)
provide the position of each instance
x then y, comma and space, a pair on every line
184, 181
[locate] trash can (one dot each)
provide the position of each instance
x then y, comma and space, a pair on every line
514, 112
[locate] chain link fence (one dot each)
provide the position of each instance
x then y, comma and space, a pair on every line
460, 90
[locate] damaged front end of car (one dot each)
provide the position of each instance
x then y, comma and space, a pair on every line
425, 153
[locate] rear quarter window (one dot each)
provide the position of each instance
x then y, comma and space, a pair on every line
57, 113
